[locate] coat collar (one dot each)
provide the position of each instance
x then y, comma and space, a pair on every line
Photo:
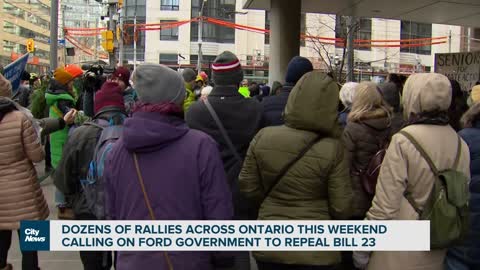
225, 91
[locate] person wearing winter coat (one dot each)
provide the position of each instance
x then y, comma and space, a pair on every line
458, 106
466, 256
60, 100
273, 106
347, 92
367, 131
160, 153
21, 197
392, 97
427, 97
122, 77
78, 152
241, 118
317, 186
189, 77
24, 91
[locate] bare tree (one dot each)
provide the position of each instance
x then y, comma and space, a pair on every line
327, 49
333, 53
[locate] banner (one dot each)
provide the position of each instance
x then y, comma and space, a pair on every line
13, 72
462, 67
61, 235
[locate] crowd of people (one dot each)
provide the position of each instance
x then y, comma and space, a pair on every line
162, 145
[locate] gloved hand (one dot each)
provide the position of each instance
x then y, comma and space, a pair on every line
361, 259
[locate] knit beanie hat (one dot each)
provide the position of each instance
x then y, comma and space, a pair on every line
204, 76
226, 69
5, 87
123, 74
62, 76
297, 67
109, 95
74, 70
347, 92
157, 83
189, 75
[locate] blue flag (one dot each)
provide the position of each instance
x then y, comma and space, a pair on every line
13, 72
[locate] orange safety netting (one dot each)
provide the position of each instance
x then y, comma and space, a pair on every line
83, 48
340, 42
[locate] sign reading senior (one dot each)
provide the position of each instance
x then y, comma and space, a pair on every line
239, 235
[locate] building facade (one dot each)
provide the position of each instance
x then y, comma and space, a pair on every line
20, 21
178, 47
80, 14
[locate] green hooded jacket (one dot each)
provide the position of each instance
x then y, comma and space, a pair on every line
189, 97
57, 93
318, 186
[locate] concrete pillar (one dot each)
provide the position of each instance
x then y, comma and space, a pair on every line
284, 36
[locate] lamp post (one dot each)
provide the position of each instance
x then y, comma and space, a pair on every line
200, 31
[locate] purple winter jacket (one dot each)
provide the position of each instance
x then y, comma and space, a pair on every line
184, 179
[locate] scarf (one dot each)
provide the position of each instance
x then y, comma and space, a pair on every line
439, 118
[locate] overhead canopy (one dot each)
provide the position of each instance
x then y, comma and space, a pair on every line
453, 12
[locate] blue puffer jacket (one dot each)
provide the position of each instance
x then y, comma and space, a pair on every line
273, 106
469, 251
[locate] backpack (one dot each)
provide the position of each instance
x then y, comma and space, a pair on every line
447, 206
369, 176
93, 185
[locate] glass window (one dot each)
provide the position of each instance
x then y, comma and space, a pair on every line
169, 5
168, 58
412, 30
362, 28
170, 33
220, 9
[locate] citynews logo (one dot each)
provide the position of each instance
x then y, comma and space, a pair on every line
33, 236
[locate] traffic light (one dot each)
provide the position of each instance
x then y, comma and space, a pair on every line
107, 40
120, 3
30, 45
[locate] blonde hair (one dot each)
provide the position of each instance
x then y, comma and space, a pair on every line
368, 103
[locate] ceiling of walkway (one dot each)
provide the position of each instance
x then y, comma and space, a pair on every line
453, 12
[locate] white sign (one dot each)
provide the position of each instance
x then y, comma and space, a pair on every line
462, 67
240, 235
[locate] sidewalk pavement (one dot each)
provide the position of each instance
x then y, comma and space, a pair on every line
55, 260
58, 260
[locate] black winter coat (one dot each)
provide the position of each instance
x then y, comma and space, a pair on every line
77, 154
242, 119
273, 106
362, 141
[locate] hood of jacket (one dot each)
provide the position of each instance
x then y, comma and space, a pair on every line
312, 104
57, 91
379, 124
426, 92
117, 115
6, 106
149, 132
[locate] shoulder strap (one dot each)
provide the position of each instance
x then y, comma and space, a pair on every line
285, 168
421, 150
94, 124
147, 202
434, 169
222, 130
459, 153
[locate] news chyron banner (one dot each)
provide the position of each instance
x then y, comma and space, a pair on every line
60, 235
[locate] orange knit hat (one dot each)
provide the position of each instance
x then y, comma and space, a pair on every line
74, 70
62, 76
